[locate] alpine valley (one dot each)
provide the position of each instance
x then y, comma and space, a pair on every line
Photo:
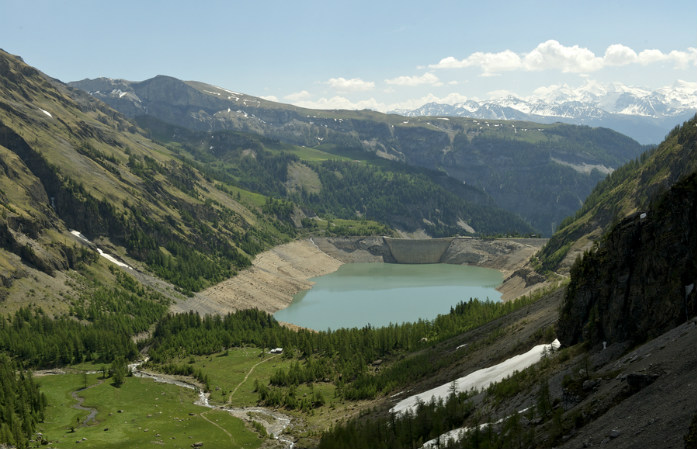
148, 230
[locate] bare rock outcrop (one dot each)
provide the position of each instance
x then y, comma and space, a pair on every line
640, 280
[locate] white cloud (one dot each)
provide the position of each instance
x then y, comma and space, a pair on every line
647, 57
680, 59
491, 63
684, 59
555, 56
500, 93
552, 55
618, 54
297, 96
339, 102
350, 85
426, 78
270, 98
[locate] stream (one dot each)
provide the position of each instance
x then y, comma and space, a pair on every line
274, 422
80, 400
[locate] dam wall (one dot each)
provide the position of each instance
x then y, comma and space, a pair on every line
500, 254
414, 251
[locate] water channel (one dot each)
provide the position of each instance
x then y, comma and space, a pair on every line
378, 294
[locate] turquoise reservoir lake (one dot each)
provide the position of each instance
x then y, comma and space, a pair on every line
378, 294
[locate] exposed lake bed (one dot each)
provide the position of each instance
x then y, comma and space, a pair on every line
280, 273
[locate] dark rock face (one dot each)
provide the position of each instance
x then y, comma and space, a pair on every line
639, 381
640, 280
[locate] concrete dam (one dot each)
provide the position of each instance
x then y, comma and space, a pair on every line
418, 251
491, 253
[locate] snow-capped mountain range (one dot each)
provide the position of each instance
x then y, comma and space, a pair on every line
642, 114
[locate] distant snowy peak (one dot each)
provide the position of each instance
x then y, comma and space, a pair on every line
642, 114
591, 101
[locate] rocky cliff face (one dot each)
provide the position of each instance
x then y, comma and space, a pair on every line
640, 280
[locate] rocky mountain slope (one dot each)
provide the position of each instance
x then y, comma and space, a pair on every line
341, 183
628, 190
627, 323
78, 179
640, 281
540, 172
644, 115
71, 163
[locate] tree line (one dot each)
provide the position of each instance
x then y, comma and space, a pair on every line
21, 404
343, 356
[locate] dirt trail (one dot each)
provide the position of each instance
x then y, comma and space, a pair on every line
229, 398
232, 439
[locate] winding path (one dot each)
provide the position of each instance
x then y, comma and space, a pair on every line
229, 399
203, 415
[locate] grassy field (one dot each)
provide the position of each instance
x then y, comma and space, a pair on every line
314, 155
141, 413
232, 374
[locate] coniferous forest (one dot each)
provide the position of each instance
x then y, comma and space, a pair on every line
175, 211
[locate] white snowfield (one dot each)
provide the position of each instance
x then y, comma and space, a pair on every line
477, 380
108, 257
457, 434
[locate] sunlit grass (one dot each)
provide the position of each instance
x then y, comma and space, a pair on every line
138, 414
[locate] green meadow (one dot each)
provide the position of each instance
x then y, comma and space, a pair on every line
141, 413
232, 374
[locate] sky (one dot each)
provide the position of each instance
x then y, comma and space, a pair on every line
381, 55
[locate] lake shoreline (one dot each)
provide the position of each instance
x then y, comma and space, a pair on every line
383, 294
278, 274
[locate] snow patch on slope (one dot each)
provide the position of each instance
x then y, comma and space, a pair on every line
108, 257
477, 380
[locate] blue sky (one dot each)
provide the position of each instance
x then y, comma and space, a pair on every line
374, 54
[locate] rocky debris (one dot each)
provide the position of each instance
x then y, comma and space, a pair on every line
590, 384
355, 249
639, 381
644, 398
530, 277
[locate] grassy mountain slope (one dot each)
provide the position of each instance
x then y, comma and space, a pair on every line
343, 184
70, 162
194, 209
629, 189
540, 172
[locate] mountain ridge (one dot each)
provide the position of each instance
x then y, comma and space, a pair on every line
645, 115
562, 155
